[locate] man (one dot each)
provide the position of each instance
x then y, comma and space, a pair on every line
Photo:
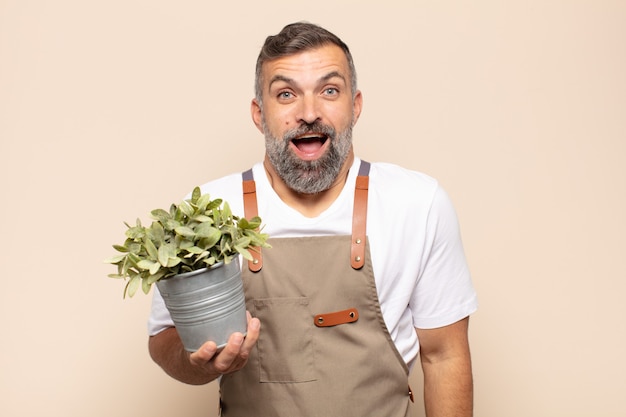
366, 268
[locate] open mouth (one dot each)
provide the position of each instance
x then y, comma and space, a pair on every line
310, 143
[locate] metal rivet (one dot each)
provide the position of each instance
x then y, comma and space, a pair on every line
256, 261
352, 314
358, 241
358, 259
320, 320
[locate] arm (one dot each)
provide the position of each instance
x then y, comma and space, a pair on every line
445, 357
206, 364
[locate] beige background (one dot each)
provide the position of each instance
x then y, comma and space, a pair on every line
111, 108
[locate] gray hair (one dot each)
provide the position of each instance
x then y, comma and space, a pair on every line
295, 38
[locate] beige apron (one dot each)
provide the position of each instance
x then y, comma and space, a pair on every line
324, 349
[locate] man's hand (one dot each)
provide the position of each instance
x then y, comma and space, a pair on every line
207, 363
233, 356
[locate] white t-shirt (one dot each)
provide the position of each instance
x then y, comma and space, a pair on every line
419, 265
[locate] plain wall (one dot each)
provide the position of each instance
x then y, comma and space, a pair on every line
109, 109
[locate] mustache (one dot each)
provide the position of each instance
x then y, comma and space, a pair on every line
305, 128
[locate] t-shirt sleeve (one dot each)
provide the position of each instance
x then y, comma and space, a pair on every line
160, 318
444, 293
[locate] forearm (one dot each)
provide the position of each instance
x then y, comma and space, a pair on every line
448, 387
167, 350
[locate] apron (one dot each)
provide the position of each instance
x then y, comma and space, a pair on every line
324, 349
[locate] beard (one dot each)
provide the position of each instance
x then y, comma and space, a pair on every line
308, 177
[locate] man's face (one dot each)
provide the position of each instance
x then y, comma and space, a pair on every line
307, 115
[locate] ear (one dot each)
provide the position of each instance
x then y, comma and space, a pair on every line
256, 112
357, 106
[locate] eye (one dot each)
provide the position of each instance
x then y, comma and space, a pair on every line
285, 95
331, 91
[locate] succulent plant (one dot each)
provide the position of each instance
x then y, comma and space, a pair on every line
195, 234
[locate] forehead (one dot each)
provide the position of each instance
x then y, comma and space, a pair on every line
313, 63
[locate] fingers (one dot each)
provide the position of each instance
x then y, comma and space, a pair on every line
233, 356
254, 328
203, 355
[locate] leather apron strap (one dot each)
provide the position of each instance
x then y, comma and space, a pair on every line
251, 210
359, 217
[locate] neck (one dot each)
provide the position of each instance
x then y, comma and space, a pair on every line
309, 205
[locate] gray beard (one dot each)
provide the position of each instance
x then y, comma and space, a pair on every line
308, 177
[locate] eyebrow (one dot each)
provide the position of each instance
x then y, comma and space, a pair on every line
277, 78
330, 75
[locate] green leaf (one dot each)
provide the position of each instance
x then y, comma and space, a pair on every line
132, 286
151, 249
202, 218
145, 264
171, 224
123, 270
207, 230
120, 248
178, 215
195, 195
210, 241
257, 239
164, 254
185, 244
185, 231
145, 286
226, 211
115, 259
155, 268
173, 261
156, 233
194, 250
160, 214
253, 223
155, 277
244, 252
243, 242
136, 232
133, 259
204, 254
203, 202
214, 204
134, 247
186, 208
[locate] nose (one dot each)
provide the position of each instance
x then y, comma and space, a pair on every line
308, 111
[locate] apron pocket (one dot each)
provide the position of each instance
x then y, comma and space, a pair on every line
285, 343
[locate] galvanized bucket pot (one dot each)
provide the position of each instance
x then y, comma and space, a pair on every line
207, 304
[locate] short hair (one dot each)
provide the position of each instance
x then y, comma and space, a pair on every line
295, 38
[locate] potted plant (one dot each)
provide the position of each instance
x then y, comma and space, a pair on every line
192, 254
